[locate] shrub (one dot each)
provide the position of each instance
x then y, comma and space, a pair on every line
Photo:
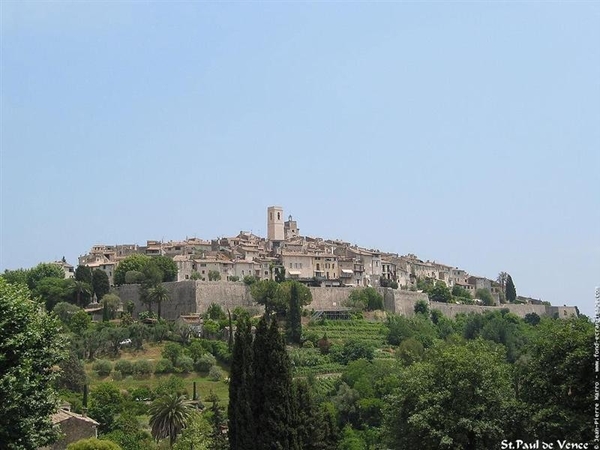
185, 364
163, 366
307, 358
143, 315
102, 367
117, 375
353, 350
215, 373
421, 307
215, 312
124, 366
142, 394
308, 344
221, 351
205, 362
172, 351
171, 385
142, 367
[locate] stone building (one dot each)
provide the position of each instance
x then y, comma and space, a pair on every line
73, 427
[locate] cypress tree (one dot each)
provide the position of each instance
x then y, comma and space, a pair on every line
511, 292
275, 418
294, 319
309, 422
260, 370
241, 423
216, 419
105, 316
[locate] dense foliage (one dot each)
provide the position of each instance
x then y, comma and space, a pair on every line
30, 345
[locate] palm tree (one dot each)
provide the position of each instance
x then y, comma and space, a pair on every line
80, 288
169, 414
158, 294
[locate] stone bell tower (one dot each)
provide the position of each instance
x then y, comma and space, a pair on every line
275, 231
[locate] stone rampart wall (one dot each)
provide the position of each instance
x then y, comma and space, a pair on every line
227, 294
196, 296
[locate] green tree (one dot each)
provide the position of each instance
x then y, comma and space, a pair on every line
129, 434
294, 318
555, 381
153, 275
249, 280
93, 444
195, 275
112, 337
158, 295
272, 403
106, 404
100, 283
214, 275
169, 414
196, 434
440, 293
30, 346
351, 440
82, 291
304, 294
425, 284
113, 303
219, 424
410, 350
354, 349
240, 410
279, 274
457, 398
53, 290
65, 311
215, 312
138, 332
510, 290
167, 266
41, 271
268, 294
365, 299
532, 318
422, 307
311, 425
83, 273
134, 277
72, 373
485, 296
172, 351
134, 262
461, 292
17, 276
80, 322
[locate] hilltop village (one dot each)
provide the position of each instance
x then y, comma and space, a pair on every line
314, 261
311, 260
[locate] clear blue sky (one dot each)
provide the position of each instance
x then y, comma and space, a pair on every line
467, 133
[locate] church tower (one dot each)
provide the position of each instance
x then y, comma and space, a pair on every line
275, 223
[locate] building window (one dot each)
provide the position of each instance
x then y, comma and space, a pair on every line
291, 265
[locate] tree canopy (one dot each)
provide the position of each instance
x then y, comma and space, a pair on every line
30, 346
457, 398
134, 262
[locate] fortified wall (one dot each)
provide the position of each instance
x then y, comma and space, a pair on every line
196, 296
